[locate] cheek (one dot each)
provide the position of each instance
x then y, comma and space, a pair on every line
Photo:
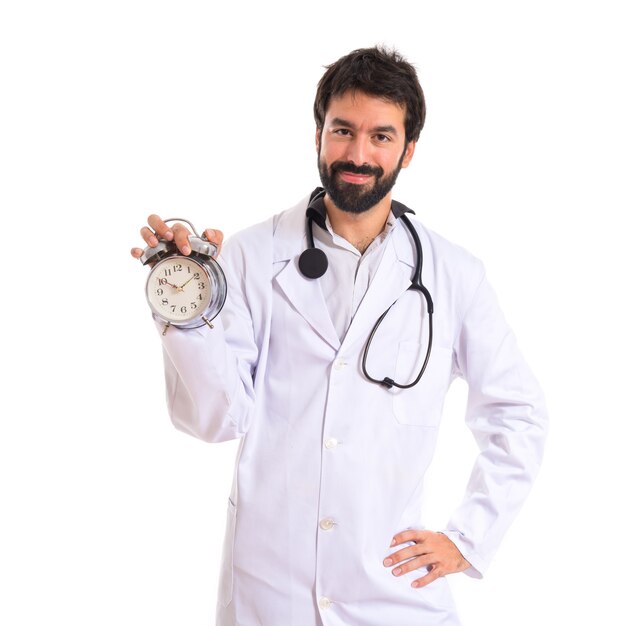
329, 152
389, 163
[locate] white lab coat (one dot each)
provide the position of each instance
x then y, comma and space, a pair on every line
330, 465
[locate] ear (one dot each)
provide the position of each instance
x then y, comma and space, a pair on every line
408, 153
318, 138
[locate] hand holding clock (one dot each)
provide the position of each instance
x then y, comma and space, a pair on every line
179, 259
178, 233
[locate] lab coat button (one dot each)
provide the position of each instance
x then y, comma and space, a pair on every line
326, 523
324, 603
330, 443
339, 364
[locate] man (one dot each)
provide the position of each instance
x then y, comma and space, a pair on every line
324, 523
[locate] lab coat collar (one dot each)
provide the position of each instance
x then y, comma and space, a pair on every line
290, 232
317, 209
306, 295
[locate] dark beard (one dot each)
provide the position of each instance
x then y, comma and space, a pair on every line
353, 198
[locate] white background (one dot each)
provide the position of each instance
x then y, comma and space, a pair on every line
112, 110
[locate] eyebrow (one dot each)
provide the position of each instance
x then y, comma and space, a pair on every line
338, 121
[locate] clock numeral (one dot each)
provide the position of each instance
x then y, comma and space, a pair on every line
173, 307
167, 272
193, 305
165, 302
197, 275
162, 281
159, 291
183, 309
178, 267
201, 286
199, 296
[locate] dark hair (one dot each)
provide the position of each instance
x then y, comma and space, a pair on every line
378, 72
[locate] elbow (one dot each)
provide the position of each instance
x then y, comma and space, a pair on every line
209, 420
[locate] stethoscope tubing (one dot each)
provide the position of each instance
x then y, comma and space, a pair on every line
416, 285
313, 264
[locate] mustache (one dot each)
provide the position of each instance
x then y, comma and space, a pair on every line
366, 170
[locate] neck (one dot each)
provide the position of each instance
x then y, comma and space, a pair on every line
360, 229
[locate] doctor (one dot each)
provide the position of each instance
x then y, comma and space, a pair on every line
324, 519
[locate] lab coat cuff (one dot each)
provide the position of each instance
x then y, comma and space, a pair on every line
203, 329
477, 565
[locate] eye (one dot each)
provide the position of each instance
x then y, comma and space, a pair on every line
342, 132
380, 138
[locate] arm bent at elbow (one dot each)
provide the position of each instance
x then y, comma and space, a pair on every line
209, 389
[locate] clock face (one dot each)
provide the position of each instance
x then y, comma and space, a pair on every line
178, 289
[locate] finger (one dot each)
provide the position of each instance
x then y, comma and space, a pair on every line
149, 237
432, 575
413, 564
402, 555
181, 238
407, 536
216, 237
161, 229
136, 252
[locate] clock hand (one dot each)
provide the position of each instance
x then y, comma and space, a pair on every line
170, 284
185, 283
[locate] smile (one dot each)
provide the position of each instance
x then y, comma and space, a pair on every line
355, 179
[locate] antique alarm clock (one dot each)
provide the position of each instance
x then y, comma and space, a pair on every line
184, 291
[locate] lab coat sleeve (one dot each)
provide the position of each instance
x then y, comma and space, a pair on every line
507, 416
210, 373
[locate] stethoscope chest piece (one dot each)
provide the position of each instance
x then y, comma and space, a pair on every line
313, 263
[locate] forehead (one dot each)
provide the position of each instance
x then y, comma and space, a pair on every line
363, 110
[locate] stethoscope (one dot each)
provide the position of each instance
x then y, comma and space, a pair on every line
313, 263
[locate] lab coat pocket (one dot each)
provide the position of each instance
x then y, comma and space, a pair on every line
225, 592
421, 405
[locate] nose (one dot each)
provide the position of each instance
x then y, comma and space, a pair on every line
357, 150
